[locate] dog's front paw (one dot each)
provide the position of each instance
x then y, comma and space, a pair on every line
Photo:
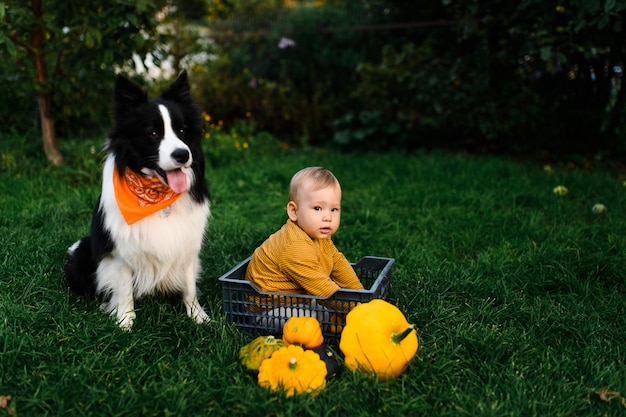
202, 317
125, 317
126, 321
196, 312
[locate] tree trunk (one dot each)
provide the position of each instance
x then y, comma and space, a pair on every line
48, 133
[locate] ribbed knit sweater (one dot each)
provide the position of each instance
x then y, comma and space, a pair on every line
289, 262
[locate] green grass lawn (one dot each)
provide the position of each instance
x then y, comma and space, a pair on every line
518, 294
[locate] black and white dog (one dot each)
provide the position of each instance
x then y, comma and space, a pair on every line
149, 223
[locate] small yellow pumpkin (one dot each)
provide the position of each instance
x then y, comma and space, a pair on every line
254, 353
378, 340
304, 331
291, 370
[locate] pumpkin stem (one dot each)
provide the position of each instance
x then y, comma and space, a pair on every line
293, 363
399, 337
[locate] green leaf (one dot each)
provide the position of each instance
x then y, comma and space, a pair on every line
10, 46
141, 5
132, 19
546, 53
343, 137
580, 25
98, 36
89, 41
609, 5
93, 38
603, 22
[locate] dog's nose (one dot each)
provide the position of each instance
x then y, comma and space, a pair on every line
180, 155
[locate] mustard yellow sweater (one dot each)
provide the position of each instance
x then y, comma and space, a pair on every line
289, 262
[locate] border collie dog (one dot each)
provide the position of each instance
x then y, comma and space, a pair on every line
149, 222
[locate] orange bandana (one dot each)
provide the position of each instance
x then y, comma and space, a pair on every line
138, 196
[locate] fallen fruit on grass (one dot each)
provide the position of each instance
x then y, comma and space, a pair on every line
378, 340
293, 370
254, 353
598, 208
304, 331
560, 190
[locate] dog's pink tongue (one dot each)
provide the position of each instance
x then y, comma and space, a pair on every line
177, 180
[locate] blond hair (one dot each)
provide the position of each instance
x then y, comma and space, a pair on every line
320, 178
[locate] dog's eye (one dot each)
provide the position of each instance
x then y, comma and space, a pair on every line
181, 132
153, 134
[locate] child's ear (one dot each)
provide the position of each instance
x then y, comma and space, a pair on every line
292, 211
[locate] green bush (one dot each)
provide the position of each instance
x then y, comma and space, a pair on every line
513, 77
393, 99
542, 75
294, 80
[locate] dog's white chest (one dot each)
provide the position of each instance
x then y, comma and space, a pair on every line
170, 237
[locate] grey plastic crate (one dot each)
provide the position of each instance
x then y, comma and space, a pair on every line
264, 313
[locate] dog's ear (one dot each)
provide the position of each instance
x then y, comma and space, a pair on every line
179, 91
127, 95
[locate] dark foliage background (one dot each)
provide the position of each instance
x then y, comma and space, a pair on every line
486, 75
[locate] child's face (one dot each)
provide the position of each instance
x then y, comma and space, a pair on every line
317, 212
